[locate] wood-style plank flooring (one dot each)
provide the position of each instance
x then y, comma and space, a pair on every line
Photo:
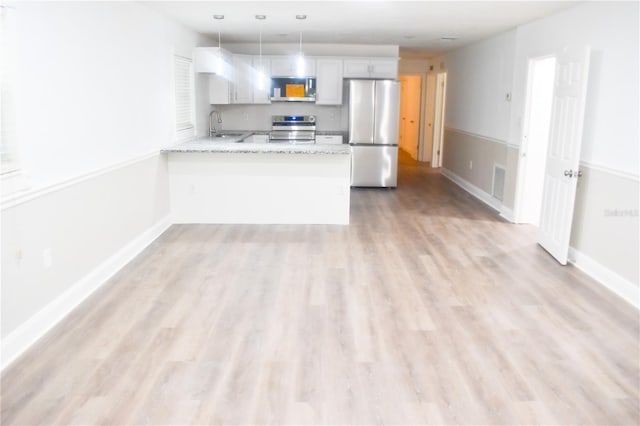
427, 309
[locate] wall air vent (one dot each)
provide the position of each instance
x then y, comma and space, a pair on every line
497, 188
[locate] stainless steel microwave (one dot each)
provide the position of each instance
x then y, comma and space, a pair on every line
293, 89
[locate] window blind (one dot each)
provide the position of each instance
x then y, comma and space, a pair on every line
184, 98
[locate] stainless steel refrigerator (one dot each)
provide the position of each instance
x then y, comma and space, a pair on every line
374, 109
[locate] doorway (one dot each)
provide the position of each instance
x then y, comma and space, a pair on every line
535, 141
438, 119
410, 111
424, 153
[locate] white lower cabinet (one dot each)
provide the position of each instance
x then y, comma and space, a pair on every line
257, 139
329, 139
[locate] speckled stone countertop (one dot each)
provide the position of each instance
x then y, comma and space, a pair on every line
236, 145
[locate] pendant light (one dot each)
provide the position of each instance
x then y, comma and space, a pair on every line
300, 71
220, 59
261, 84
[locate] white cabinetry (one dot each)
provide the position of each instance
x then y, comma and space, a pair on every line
329, 139
329, 81
287, 66
371, 68
242, 88
262, 70
219, 90
212, 60
257, 139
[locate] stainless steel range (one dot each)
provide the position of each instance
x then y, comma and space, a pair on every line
293, 128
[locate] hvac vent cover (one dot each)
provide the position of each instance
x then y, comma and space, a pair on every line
497, 190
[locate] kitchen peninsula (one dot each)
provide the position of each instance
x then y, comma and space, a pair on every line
239, 181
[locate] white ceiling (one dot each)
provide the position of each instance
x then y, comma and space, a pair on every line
416, 26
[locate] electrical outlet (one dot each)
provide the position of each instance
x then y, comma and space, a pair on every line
470, 165
47, 258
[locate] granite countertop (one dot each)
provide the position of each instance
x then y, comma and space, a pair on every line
236, 145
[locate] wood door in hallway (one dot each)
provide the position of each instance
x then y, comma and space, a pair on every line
410, 100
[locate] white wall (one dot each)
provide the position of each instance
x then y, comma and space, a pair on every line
478, 78
413, 66
611, 116
95, 85
94, 107
258, 117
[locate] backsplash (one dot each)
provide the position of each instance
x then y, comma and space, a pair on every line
258, 117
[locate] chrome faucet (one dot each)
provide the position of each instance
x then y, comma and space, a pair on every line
212, 128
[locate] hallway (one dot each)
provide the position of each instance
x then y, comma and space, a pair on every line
427, 309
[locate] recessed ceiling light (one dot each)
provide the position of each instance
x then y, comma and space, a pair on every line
218, 16
261, 17
301, 16
448, 38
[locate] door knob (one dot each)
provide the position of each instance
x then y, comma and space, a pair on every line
568, 173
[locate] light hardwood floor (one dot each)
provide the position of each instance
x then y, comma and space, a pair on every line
427, 309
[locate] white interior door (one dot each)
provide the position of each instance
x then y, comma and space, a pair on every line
563, 154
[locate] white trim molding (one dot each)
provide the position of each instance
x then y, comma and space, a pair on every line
605, 169
481, 195
487, 138
38, 325
507, 214
605, 276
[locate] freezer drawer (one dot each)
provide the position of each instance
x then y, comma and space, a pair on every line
375, 166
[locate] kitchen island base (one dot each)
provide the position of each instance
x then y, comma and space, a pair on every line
259, 188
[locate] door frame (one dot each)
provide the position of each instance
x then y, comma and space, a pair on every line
522, 150
423, 100
439, 116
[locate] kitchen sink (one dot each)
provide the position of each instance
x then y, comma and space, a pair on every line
226, 135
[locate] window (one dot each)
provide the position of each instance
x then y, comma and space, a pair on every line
184, 98
8, 148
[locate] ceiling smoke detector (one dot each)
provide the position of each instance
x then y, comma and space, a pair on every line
218, 16
301, 16
261, 17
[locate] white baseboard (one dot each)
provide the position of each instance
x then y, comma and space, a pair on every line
472, 189
605, 276
507, 214
33, 329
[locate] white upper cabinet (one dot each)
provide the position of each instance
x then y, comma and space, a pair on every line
212, 60
287, 66
371, 68
219, 90
329, 81
262, 80
242, 79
